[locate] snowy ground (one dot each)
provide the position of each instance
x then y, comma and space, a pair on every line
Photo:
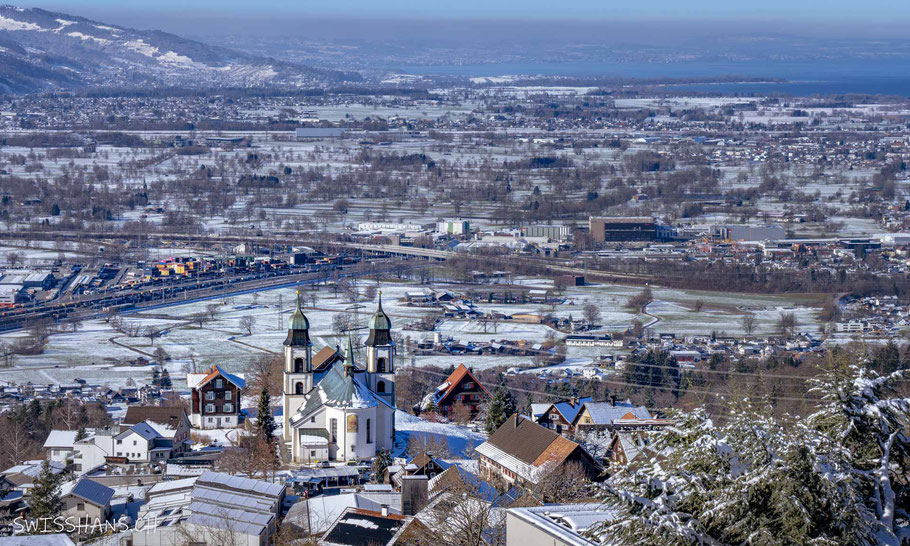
461, 440
101, 355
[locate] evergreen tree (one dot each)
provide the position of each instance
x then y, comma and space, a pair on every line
156, 376
502, 406
265, 421
381, 462
165, 380
81, 434
838, 476
33, 413
45, 501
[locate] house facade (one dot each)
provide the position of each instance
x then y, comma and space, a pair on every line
88, 501
215, 398
520, 452
171, 422
460, 387
561, 415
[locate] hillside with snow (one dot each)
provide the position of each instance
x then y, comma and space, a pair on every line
42, 50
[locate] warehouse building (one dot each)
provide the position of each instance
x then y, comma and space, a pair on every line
623, 228
555, 233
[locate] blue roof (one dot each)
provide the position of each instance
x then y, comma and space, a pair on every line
568, 411
238, 381
93, 492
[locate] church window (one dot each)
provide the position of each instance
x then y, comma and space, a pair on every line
334, 431
381, 365
380, 386
298, 389
298, 365
369, 434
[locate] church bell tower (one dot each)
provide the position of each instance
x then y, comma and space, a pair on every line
380, 356
298, 365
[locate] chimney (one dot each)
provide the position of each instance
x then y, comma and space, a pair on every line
384, 510
414, 493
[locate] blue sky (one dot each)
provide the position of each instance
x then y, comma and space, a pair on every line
808, 10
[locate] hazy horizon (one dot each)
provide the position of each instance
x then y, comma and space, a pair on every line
878, 19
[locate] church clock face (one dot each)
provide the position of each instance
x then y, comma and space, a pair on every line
352, 423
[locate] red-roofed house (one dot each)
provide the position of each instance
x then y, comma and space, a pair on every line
215, 398
460, 386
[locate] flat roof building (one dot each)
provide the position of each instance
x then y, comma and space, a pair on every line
622, 228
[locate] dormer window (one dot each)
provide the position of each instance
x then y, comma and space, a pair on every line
219, 383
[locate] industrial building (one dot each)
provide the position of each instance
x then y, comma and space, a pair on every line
304, 133
555, 233
453, 227
623, 228
746, 232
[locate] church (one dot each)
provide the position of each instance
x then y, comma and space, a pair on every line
337, 410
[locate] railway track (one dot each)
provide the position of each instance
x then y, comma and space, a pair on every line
87, 307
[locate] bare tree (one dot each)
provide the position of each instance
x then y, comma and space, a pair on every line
563, 483
341, 323
266, 372
591, 313
786, 323
748, 323
152, 333
463, 515
69, 414
247, 322
461, 413
14, 258
432, 444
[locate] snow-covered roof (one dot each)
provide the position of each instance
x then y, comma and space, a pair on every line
63, 438
144, 430
565, 522
604, 413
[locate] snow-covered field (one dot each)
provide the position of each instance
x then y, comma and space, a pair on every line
100, 355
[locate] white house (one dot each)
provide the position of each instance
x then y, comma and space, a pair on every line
141, 443
60, 445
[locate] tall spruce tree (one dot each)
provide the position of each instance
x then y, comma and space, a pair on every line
45, 501
502, 406
165, 380
265, 421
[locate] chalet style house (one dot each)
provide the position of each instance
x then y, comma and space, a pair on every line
561, 416
460, 386
215, 398
333, 409
521, 452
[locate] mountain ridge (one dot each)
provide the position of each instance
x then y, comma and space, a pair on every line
44, 51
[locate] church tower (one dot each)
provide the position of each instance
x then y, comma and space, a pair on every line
298, 365
380, 356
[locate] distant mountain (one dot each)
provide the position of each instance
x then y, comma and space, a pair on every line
42, 50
